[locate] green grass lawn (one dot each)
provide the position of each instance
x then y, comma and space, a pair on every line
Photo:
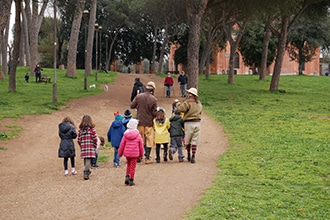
37, 98
277, 165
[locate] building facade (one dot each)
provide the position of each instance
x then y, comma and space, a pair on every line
220, 64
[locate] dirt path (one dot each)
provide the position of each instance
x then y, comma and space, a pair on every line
32, 184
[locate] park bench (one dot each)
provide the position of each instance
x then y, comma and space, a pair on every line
45, 78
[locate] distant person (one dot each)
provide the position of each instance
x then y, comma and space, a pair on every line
176, 136
138, 88
192, 109
103, 69
67, 132
128, 70
168, 83
115, 134
87, 140
100, 143
162, 136
131, 147
146, 106
183, 80
37, 72
26, 77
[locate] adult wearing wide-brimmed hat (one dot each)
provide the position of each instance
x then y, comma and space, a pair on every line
146, 105
192, 109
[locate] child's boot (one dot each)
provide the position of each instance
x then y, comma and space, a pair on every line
131, 182
127, 179
148, 151
170, 154
86, 174
165, 153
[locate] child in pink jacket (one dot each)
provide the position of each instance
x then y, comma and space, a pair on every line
131, 146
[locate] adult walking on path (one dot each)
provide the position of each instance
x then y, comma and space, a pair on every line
183, 80
168, 83
192, 109
32, 184
146, 106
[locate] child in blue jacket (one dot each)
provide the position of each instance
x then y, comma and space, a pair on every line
115, 134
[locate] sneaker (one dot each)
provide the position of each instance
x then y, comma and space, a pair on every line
66, 172
180, 159
116, 165
95, 166
148, 161
74, 172
170, 154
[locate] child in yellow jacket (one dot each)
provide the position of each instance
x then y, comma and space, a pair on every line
162, 135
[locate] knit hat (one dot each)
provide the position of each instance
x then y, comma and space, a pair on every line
118, 116
132, 124
127, 113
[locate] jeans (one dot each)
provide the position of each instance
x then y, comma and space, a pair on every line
176, 145
168, 91
183, 88
116, 158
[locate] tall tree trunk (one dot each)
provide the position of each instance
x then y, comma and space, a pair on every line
34, 32
280, 54
25, 38
195, 12
90, 38
111, 48
162, 51
12, 74
264, 56
207, 50
73, 43
231, 63
207, 70
5, 7
153, 59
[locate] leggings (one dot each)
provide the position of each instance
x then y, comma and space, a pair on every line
87, 163
131, 165
65, 162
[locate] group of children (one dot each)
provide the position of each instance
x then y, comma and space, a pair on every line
124, 138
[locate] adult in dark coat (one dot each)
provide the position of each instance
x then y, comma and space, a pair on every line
137, 88
67, 132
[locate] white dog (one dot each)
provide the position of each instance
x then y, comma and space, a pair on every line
106, 87
92, 86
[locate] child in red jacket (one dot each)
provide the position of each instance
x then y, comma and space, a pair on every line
131, 146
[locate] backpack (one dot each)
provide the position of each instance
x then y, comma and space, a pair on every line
141, 89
